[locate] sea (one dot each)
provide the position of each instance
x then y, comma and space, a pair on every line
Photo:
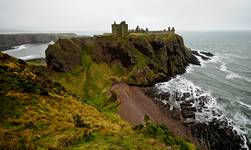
28, 51
226, 78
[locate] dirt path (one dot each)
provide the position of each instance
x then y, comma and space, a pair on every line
134, 105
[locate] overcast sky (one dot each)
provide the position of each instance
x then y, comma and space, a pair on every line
97, 15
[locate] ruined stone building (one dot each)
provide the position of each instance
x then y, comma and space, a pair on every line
141, 30
171, 29
120, 29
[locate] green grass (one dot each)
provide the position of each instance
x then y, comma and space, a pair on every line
85, 116
160, 132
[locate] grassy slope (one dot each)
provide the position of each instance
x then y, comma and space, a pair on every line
91, 82
45, 116
39, 114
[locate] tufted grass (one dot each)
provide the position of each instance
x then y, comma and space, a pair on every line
81, 117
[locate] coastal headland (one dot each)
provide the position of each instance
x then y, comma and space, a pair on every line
96, 93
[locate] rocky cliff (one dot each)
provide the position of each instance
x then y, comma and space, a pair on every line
145, 58
7, 41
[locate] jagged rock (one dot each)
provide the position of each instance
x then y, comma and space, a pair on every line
194, 60
215, 134
207, 54
63, 55
201, 56
112, 52
143, 46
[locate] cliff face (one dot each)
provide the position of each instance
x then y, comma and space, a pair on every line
147, 59
7, 41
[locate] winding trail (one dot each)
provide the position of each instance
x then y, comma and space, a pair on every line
134, 105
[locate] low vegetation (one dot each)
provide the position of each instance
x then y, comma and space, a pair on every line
45, 109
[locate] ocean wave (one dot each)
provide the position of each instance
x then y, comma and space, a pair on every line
190, 69
29, 57
179, 86
230, 74
51, 42
18, 48
243, 104
229, 55
213, 59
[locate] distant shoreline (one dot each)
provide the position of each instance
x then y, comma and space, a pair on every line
8, 41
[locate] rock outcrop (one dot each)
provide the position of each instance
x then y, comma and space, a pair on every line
203, 55
63, 55
147, 58
7, 41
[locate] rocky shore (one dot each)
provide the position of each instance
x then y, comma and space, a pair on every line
135, 105
191, 107
215, 133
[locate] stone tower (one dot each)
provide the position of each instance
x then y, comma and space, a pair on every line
120, 29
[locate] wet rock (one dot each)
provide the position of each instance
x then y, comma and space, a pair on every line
193, 60
215, 133
207, 54
188, 114
201, 56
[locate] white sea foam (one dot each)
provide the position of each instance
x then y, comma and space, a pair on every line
190, 69
181, 85
202, 62
51, 42
230, 74
17, 48
28, 57
244, 104
178, 86
236, 56
213, 59
242, 119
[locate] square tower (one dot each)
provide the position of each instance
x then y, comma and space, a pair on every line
120, 29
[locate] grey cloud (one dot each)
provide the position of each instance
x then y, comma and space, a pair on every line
81, 15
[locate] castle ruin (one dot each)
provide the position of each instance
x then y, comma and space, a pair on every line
120, 29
